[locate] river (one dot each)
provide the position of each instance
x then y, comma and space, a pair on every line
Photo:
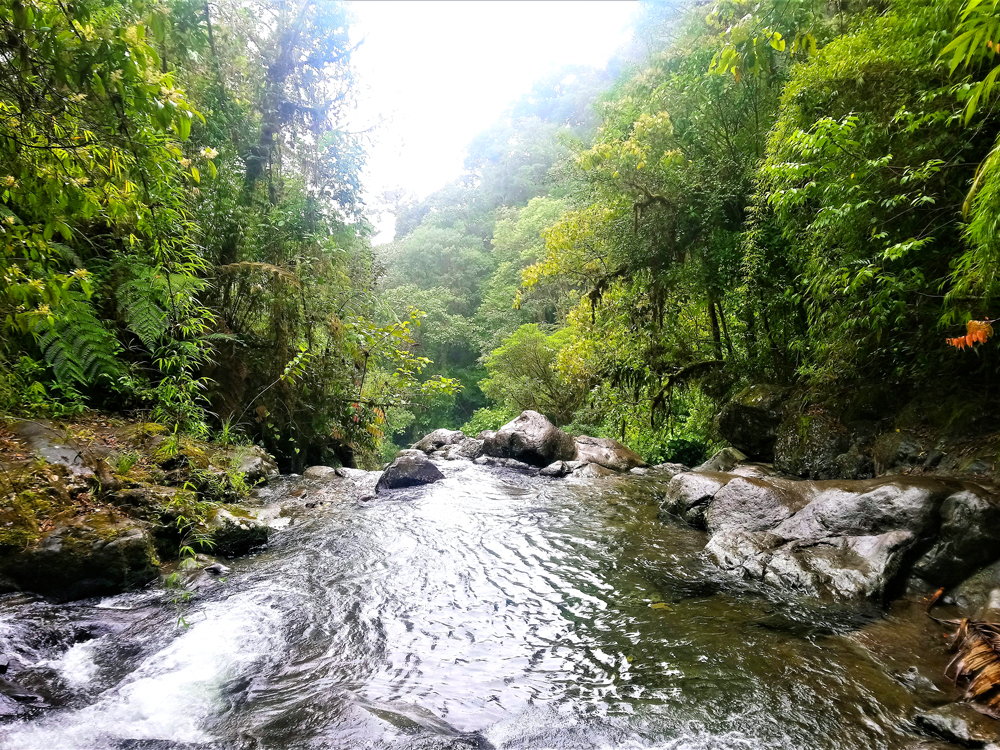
491, 609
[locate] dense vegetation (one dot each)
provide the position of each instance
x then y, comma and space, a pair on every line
788, 191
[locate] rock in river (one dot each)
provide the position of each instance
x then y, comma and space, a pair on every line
408, 471
607, 452
533, 439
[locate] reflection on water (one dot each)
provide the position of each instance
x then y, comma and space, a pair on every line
488, 610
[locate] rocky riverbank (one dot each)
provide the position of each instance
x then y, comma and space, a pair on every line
97, 506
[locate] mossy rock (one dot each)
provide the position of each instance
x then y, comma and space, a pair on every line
809, 443
98, 554
233, 535
750, 420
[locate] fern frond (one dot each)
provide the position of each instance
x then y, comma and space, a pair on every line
77, 347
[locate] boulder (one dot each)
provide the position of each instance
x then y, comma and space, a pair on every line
531, 438
847, 568
607, 452
959, 723
408, 471
753, 504
438, 439
94, 555
979, 594
689, 493
724, 460
592, 471
235, 532
870, 507
808, 445
750, 420
897, 449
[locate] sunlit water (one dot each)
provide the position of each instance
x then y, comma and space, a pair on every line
488, 610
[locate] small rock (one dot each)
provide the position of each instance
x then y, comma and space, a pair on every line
724, 460
217, 569
4, 664
959, 723
555, 469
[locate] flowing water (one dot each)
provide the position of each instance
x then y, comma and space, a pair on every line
488, 610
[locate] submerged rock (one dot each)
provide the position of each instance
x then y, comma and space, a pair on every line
607, 452
408, 471
531, 438
960, 723
556, 469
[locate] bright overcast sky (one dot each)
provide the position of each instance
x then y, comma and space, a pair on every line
438, 73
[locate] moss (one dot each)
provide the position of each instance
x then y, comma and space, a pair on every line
21, 517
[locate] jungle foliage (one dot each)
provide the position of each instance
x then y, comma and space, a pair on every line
785, 191
182, 230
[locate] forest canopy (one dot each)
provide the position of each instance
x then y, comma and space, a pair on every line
786, 191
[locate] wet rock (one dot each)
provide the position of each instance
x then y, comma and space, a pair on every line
916, 681
322, 473
750, 420
408, 471
979, 594
840, 568
531, 438
668, 470
506, 463
555, 469
870, 507
607, 452
592, 471
755, 504
724, 460
689, 493
969, 538
97, 554
960, 723
486, 434
467, 449
4, 664
234, 535
47, 441
438, 439
809, 444
16, 699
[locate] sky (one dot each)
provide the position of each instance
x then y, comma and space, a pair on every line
434, 74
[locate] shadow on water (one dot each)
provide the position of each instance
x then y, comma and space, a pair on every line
491, 610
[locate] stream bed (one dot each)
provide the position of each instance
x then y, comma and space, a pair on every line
489, 610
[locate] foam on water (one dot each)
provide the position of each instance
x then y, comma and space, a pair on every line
172, 693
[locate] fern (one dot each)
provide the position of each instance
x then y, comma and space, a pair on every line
77, 347
140, 302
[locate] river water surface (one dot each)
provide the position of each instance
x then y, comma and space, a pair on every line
489, 610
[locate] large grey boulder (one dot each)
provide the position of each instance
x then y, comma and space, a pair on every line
438, 439
753, 504
846, 568
750, 420
468, 449
607, 452
531, 438
408, 471
868, 507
